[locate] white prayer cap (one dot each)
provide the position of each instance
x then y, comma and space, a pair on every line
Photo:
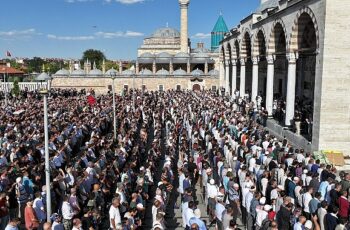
197, 213
262, 200
267, 207
308, 224
212, 181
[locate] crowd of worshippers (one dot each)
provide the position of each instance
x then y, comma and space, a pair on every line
250, 179
171, 147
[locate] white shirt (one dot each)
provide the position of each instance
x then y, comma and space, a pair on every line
67, 211
188, 215
219, 209
114, 215
264, 182
306, 199
274, 194
261, 215
212, 191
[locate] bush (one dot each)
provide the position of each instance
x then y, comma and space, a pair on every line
16, 90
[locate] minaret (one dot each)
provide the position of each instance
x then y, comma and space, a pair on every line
184, 24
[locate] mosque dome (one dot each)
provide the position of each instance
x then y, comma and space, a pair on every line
166, 33
95, 72
182, 55
147, 55
162, 72
197, 72
146, 72
164, 55
111, 72
128, 72
78, 72
214, 72
62, 72
179, 72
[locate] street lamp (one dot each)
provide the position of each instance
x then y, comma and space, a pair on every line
133, 92
113, 74
5, 87
45, 77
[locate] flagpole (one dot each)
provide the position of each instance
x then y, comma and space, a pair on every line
6, 102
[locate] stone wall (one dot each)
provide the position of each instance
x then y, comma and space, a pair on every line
334, 132
102, 84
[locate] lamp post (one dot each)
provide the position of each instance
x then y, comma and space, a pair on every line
113, 74
45, 92
133, 92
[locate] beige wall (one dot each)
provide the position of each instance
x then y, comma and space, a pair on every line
100, 85
334, 132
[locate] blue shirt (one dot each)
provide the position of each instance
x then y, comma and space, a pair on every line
199, 222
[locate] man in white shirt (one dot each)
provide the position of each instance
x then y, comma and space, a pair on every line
189, 213
67, 213
300, 224
114, 214
307, 197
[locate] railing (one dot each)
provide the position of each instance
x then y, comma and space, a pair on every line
30, 86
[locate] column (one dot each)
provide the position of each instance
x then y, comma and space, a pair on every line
234, 77
227, 77
154, 67
188, 66
292, 57
137, 69
222, 73
242, 85
184, 25
269, 83
255, 79
206, 67
171, 67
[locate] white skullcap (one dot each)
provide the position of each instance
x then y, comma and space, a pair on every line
305, 171
212, 181
308, 224
267, 207
197, 213
18, 179
262, 200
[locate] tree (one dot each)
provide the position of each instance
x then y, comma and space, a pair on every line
94, 56
111, 64
15, 90
35, 65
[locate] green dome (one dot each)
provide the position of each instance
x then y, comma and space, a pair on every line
220, 25
220, 29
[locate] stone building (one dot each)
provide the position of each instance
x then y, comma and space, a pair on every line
165, 61
295, 53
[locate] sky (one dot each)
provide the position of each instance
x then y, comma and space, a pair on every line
66, 28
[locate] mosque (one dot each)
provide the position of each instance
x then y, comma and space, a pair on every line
165, 61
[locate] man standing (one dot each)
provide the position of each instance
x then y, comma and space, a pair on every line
114, 214
67, 214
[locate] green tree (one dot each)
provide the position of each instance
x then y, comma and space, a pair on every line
110, 64
15, 90
35, 64
94, 56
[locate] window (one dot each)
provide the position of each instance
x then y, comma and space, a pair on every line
161, 88
213, 87
178, 87
143, 88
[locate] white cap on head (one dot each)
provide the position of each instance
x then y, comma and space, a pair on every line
197, 213
262, 200
267, 207
235, 185
212, 181
308, 224
18, 180
305, 171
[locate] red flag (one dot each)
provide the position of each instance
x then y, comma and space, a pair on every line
91, 100
8, 54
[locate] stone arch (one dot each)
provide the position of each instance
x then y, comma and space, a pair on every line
277, 28
259, 43
235, 49
246, 44
298, 27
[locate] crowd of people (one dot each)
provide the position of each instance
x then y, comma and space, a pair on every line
168, 146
